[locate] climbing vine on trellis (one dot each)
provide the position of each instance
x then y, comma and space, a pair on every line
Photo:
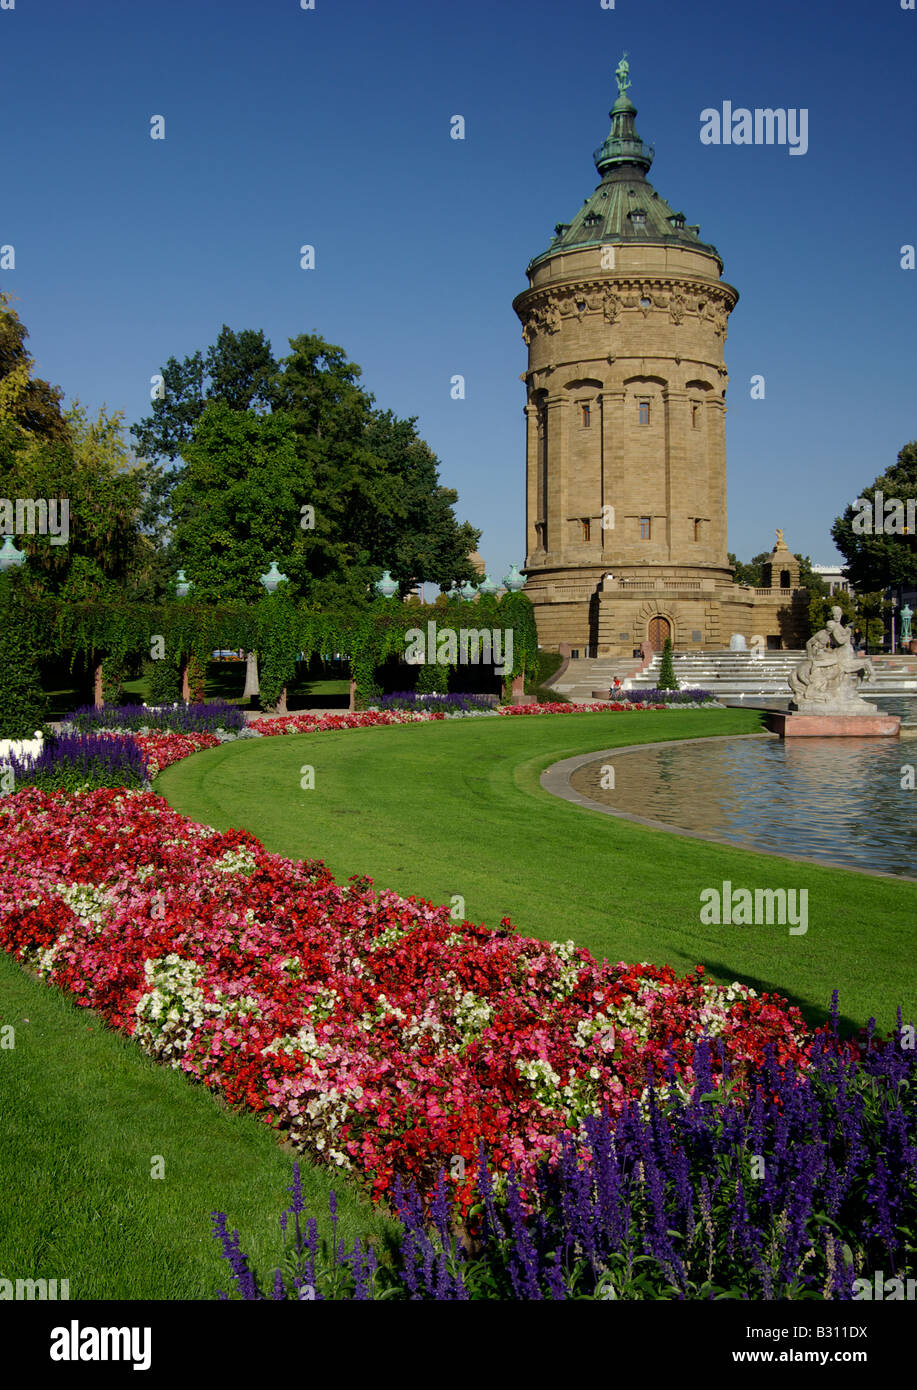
277, 627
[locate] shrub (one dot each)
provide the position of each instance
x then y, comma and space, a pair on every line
667, 679
196, 676
163, 682
23, 706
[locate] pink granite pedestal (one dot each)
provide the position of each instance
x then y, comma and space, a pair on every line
790, 725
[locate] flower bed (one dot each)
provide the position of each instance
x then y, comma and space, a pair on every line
804, 1189
594, 707
179, 718
693, 696
377, 1032
70, 762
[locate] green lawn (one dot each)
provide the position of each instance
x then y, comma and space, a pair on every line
83, 1113
456, 808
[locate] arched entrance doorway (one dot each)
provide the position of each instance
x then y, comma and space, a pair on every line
659, 630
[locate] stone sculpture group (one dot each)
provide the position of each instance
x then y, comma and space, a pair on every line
827, 681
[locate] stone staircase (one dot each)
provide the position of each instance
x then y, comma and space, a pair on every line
724, 673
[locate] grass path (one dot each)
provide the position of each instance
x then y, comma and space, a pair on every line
456, 808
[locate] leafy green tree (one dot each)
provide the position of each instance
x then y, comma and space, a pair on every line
750, 574
27, 403
420, 540
871, 613
885, 560
237, 506
90, 467
238, 369
820, 606
353, 490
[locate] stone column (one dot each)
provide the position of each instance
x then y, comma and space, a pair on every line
680, 484
613, 463
532, 465
556, 498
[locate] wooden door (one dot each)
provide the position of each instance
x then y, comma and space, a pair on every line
660, 629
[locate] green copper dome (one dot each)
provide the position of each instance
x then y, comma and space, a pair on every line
624, 207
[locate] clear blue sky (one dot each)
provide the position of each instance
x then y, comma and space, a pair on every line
287, 126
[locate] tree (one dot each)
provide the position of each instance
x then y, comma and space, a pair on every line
98, 552
820, 606
366, 479
27, 403
889, 558
421, 540
237, 505
751, 574
239, 369
667, 679
871, 612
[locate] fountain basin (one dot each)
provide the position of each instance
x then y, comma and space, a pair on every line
788, 724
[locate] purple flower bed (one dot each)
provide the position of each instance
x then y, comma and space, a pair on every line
667, 697
68, 762
455, 703
800, 1191
180, 718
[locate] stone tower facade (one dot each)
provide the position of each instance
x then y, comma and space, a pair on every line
625, 322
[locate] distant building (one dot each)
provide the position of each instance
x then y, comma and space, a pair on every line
834, 577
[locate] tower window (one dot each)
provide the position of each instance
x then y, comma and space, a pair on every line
694, 415
697, 528
644, 412
646, 527
587, 416
586, 528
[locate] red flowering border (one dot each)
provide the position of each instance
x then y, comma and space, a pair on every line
377, 1032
